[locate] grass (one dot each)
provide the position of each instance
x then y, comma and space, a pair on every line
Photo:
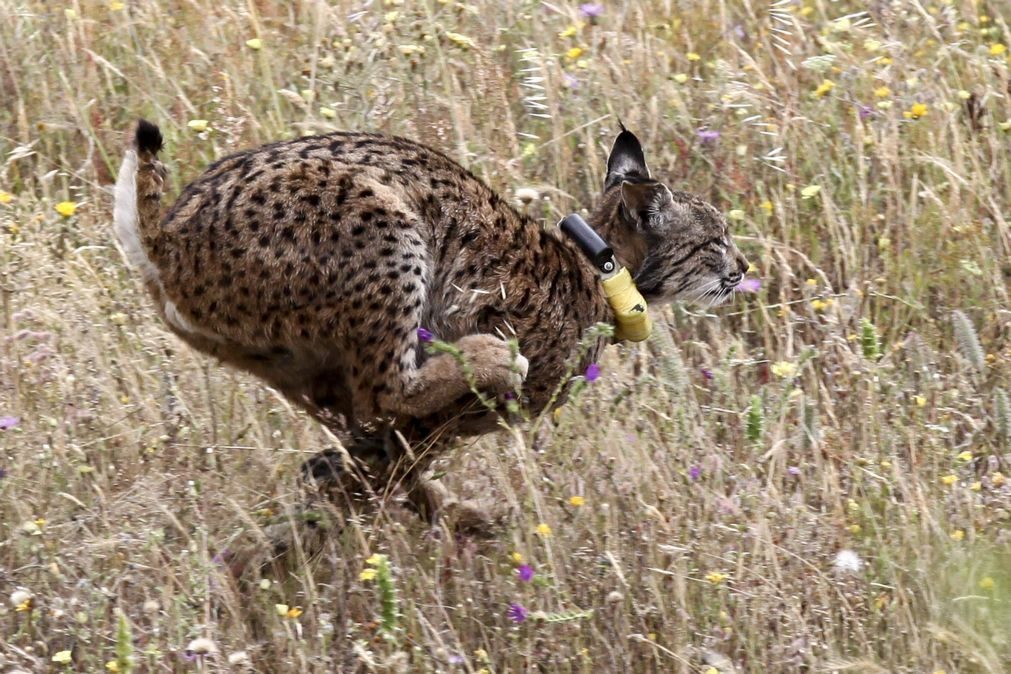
857, 403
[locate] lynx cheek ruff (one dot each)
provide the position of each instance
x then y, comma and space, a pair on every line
631, 315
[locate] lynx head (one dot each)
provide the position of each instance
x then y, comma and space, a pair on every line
676, 245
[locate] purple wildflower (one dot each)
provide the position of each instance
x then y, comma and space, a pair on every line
695, 472
708, 135
3, 472
707, 374
749, 285
592, 372
592, 10
425, 335
864, 111
517, 612
570, 81
456, 659
525, 572
793, 470
7, 423
221, 559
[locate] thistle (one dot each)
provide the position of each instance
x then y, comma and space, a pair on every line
124, 644
389, 606
756, 419
869, 340
968, 340
1002, 414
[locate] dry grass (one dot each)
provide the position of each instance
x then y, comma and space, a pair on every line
847, 409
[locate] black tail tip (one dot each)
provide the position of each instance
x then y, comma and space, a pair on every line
148, 138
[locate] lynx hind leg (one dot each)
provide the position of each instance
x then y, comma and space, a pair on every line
434, 503
283, 545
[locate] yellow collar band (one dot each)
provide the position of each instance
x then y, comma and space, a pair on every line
631, 315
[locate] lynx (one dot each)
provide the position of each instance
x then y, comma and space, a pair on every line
322, 265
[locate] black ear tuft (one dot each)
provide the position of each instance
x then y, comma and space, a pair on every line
148, 138
626, 160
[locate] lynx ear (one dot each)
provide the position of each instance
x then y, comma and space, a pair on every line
626, 160
646, 202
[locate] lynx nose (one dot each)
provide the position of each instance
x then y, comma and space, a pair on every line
742, 264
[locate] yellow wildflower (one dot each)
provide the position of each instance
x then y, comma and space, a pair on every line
367, 574
517, 557
784, 369
256, 44
920, 401
576, 501
198, 125
963, 94
375, 560
692, 56
715, 577
916, 111
116, 6
680, 78
986, 583
574, 53
882, 92
998, 49
6, 197
62, 657
825, 87
112, 666
481, 655
810, 191
543, 530
66, 208
461, 41
819, 305
965, 456
294, 612
997, 479
949, 480
711, 670
571, 31
854, 529
767, 207
811, 283
328, 113
957, 535
976, 486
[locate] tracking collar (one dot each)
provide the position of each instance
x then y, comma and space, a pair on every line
630, 312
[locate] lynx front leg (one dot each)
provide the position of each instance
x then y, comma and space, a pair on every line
483, 361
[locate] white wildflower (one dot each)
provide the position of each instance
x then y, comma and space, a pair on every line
526, 194
238, 658
847, 561
19, 597
202, 646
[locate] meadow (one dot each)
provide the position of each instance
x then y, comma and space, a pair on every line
815, 477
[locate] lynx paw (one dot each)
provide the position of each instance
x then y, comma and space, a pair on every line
492, 363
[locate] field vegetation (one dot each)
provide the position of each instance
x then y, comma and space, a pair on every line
813, 478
